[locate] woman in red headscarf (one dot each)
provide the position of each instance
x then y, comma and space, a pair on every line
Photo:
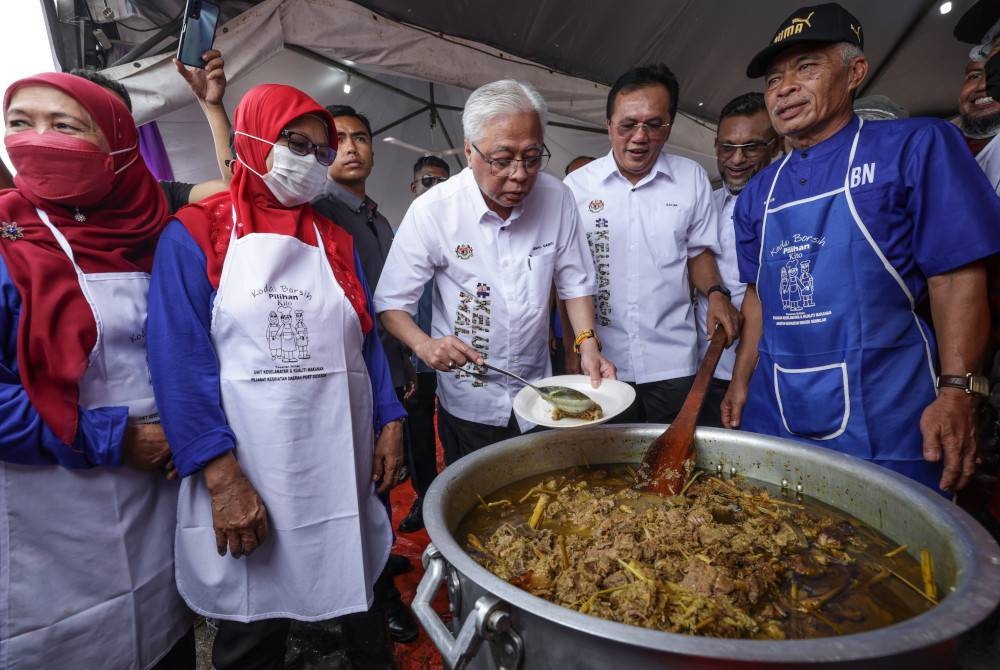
272, 386
86, 548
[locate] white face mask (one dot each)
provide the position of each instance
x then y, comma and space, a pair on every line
293, 180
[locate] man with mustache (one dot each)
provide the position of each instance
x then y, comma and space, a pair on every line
979, 112
745, 144
882, 216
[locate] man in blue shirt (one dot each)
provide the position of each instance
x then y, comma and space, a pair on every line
840, 243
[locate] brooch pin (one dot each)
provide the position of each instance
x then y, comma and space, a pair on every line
11, 231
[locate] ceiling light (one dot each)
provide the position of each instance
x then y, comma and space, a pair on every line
347, 85
945, 8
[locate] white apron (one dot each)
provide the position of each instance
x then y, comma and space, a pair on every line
304, 436
989, 159
86, 556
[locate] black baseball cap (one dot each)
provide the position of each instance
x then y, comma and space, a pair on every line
828, 22
976, 21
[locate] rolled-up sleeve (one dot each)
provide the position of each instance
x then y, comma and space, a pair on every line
575, 276
703, 225
408, 267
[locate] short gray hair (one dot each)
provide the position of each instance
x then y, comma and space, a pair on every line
501, 98
849, 51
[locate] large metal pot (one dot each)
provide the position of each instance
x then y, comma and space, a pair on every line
521, 630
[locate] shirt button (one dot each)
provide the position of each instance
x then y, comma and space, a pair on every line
805, 154
802, 181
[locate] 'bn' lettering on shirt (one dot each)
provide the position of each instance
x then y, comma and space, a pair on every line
864, 174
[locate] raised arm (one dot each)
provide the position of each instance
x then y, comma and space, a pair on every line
209, 87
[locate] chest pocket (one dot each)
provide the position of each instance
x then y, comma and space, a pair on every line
665, 236
541, 266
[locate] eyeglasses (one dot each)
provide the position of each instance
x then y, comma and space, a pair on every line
301, 145
505, 167
654, 128
429, 180
750, 149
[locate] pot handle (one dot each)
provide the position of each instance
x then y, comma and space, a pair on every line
487, 619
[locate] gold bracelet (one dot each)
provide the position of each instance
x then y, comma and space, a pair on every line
586, 335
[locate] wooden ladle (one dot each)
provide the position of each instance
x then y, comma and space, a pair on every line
665, 468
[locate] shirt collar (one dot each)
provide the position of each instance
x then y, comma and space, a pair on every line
835, 142
349, 198
478, 201
609, 169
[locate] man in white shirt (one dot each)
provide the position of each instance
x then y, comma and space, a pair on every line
652, 227
493, 238
745, 144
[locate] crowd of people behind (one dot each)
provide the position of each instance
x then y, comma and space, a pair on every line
204, 387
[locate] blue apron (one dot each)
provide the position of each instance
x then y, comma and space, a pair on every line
845, 362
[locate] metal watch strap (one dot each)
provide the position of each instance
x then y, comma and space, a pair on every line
970, 383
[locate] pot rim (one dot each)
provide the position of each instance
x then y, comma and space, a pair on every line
974, 596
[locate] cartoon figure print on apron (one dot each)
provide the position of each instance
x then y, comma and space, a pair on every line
844, 360
302, 415
86, 567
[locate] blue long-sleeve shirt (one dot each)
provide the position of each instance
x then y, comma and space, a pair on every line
24, 437
184, 364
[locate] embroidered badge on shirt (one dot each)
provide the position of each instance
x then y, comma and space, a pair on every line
463, 251
11, 231
595, 206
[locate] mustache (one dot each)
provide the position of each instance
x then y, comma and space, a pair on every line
781, 107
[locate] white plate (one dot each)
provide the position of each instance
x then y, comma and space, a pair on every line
613, 396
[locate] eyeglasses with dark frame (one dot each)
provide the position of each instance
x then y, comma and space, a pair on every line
505, 167
300, 145
654, 128
429, 180
751, 150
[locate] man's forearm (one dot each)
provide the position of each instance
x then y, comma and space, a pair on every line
746, 351
401, 325
704, 271
581, 314
961, 318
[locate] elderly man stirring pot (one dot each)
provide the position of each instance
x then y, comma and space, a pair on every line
869, 220
493, 238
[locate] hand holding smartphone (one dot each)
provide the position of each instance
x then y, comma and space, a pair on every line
201, 18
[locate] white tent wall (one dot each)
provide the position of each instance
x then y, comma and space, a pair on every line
254, 47
188, 141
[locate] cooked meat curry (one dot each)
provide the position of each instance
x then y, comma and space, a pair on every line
726, 558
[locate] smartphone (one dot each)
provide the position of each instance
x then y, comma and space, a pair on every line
197, 32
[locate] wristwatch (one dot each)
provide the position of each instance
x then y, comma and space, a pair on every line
721, 289
972, 384
586, 335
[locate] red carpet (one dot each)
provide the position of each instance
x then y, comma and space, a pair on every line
421, 654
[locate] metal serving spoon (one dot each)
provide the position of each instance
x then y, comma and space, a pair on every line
570, 401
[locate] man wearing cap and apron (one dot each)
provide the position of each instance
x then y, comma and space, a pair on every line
883, 216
